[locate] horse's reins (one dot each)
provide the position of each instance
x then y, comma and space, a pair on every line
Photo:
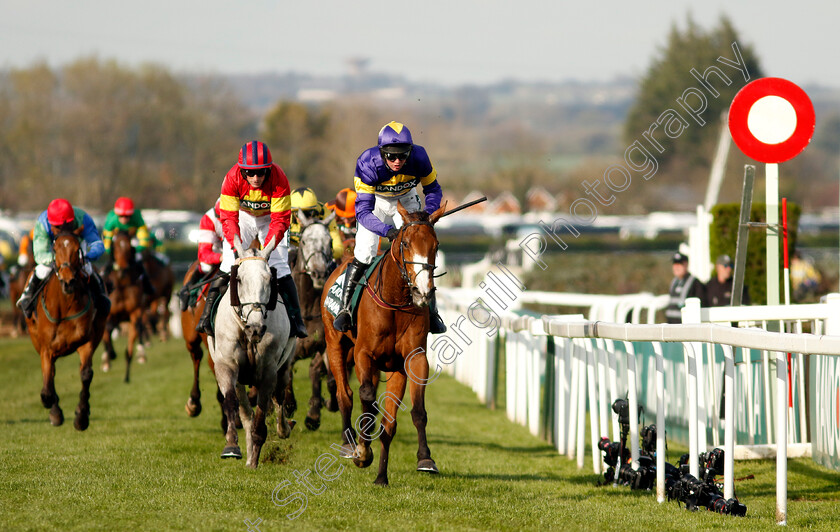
55, 271
262, 307
401, 262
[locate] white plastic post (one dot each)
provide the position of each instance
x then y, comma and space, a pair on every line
729, 430
633, 400
691, 383
604, 403
581, 415
574, 398
660, 422
593, 410
781, 437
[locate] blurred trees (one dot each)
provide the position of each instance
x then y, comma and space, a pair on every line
94, 131
670, 74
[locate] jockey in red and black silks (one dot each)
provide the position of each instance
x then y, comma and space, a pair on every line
255, 203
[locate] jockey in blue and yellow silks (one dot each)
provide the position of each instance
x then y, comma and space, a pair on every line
388, 174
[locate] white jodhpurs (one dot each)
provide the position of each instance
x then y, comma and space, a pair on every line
251, 228
367, 242
42, 271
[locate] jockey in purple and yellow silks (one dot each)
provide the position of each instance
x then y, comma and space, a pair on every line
62, 216
388, 174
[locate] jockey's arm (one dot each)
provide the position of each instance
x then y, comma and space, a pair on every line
108, 229
432, 192
95, 245
337, 240
42, 245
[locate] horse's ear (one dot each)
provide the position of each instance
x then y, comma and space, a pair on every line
403, 211
303, 219
435, 216
326, 221
237, 245
79, 230
266, 251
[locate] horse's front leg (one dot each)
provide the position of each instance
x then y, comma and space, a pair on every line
130, 341
226, 377
418, 366
82, 419
367, 396
282, 383
316, 371
392, 399
193, 406
108, 354
344, 395
48, 396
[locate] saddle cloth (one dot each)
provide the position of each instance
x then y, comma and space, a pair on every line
333, 299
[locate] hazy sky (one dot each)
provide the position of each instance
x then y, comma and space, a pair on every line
441, 41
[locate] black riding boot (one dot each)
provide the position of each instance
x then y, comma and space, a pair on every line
436, 325
100, 295
27, 298
213, 294
288, 291
354, 272
184, 298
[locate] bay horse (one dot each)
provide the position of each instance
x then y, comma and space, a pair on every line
390, 335
157, 313
127, 299
65, 319
17, 284
250, 347
310, 271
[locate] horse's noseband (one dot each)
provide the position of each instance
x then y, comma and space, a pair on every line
256, 305
401, 264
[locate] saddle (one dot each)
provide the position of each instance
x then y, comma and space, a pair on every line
333, 299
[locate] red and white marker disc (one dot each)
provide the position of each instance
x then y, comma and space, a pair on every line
771, 120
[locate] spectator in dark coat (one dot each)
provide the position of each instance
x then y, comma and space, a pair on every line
683, 286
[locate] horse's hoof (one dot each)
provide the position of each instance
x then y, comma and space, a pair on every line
427, 465
141, 359
347, 451
56, 416
381, 481
193, 408
312, 423
332, 405
365, 463
106, 368
81, 422
232, 451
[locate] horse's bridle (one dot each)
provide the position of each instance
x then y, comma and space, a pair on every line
67, 265
401, 263
327, 255
240, 308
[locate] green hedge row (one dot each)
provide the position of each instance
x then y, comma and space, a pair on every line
723, 238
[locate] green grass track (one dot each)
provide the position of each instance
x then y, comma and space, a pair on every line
145, 465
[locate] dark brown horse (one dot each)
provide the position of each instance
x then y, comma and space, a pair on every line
157, 314
390, 335
17, 284
66, 320
127, 299
310, 270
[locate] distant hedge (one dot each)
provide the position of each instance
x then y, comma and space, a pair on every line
724, 236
